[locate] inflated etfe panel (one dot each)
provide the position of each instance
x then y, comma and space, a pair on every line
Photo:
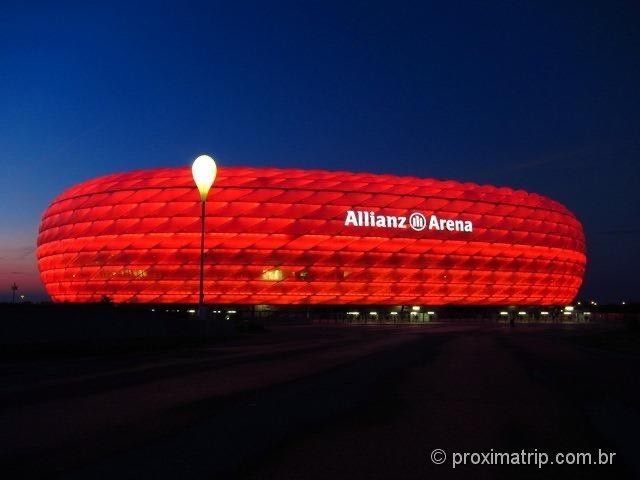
285, 236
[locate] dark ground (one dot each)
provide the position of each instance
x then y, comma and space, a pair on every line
328, 402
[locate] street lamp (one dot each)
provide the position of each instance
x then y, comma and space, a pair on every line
14, 287
204, 173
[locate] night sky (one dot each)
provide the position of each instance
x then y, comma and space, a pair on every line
543, 96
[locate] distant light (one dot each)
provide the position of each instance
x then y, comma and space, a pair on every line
373, 313
624, 303
415, 309
579, 303
504, 313
274, 275
587, 313
522, 313
231, 311
204, 172
191, 311
153, 309
413, 313
431, 313
393, 313
544, 313
567, 313
569, 308
353, 313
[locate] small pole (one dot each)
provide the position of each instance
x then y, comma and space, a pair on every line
201, 312
14, 287
204, 173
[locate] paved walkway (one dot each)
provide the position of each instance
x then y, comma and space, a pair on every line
328, 403
506, 391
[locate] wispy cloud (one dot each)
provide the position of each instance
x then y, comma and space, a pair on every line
26, 252
618, 232
579, 157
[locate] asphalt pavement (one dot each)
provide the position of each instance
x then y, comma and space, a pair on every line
333, 402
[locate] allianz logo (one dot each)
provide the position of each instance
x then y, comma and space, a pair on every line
417, 221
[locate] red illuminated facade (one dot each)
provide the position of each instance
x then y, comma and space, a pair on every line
285, 236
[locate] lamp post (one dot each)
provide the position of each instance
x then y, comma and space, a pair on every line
14, 287
204, 173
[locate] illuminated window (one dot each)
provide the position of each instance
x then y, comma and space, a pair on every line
133, 273
274, 275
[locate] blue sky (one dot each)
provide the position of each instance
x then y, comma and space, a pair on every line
531, 95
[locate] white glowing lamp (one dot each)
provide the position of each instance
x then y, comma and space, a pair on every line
204, 172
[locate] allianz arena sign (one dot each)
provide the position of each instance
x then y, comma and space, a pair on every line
416, 220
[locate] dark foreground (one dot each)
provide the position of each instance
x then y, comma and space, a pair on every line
330, 403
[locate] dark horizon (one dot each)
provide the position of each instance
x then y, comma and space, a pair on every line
539, 97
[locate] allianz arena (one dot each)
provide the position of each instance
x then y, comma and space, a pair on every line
308, 237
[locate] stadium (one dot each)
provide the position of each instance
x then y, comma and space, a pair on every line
308, 237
